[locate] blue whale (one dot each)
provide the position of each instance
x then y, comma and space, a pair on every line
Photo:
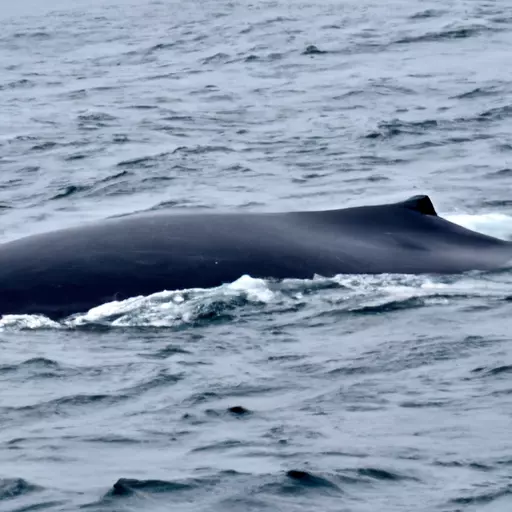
72, 270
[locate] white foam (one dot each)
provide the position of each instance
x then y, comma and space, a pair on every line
168, 308
492, 224
256, 290
22, 322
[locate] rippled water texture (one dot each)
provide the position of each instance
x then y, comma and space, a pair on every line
349, 394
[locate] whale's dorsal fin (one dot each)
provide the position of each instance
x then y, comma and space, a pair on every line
421, 204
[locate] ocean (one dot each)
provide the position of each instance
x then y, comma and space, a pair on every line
350, 393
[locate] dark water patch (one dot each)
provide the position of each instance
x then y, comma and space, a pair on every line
502, 173
23, 138
503, 147
400, 356
120, 138
502, 19
22, 83
382, 474
38, 35
313, 50
496, 114
96, 116
348, 371
444, 35
75, 157
206, 90
295, 484
178, 117
202, 398
149, 492
116, 176
60, 406
220, 446
491, 372
239, 410
478, 92
374, 178
427, 14
144, 107
145, 162
484, 497
251, 205
396, 127
113, 438
130, 486
44, 505
477, 466
389, 306
161, 47
38, 367
417, 404
16, 487
498, 204
76, 95
307, 479
168, 351
162, 379
44, 146
217, 58
95, 121
166, 76
69, 190
201, 150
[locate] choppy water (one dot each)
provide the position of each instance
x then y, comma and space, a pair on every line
350, 394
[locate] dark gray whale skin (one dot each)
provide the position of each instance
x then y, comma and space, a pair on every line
72, 270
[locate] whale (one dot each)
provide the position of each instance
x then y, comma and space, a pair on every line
71, 270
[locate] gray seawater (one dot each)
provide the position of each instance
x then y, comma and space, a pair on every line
354, 393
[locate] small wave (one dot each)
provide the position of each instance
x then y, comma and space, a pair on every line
484, 497
35, 367
130, 486
39, 35
145, 162
44, 146
371, 473
217, 58
427, 14
151, 489
313, 50
68, 191
95, 121
201, 150
160, 47
16, 487
502, 173
447, 34
491, 372
478, 92
22, 83
496, 114
387, 130
68, 405
307, 479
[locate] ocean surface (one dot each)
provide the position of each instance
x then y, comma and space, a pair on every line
348, 394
